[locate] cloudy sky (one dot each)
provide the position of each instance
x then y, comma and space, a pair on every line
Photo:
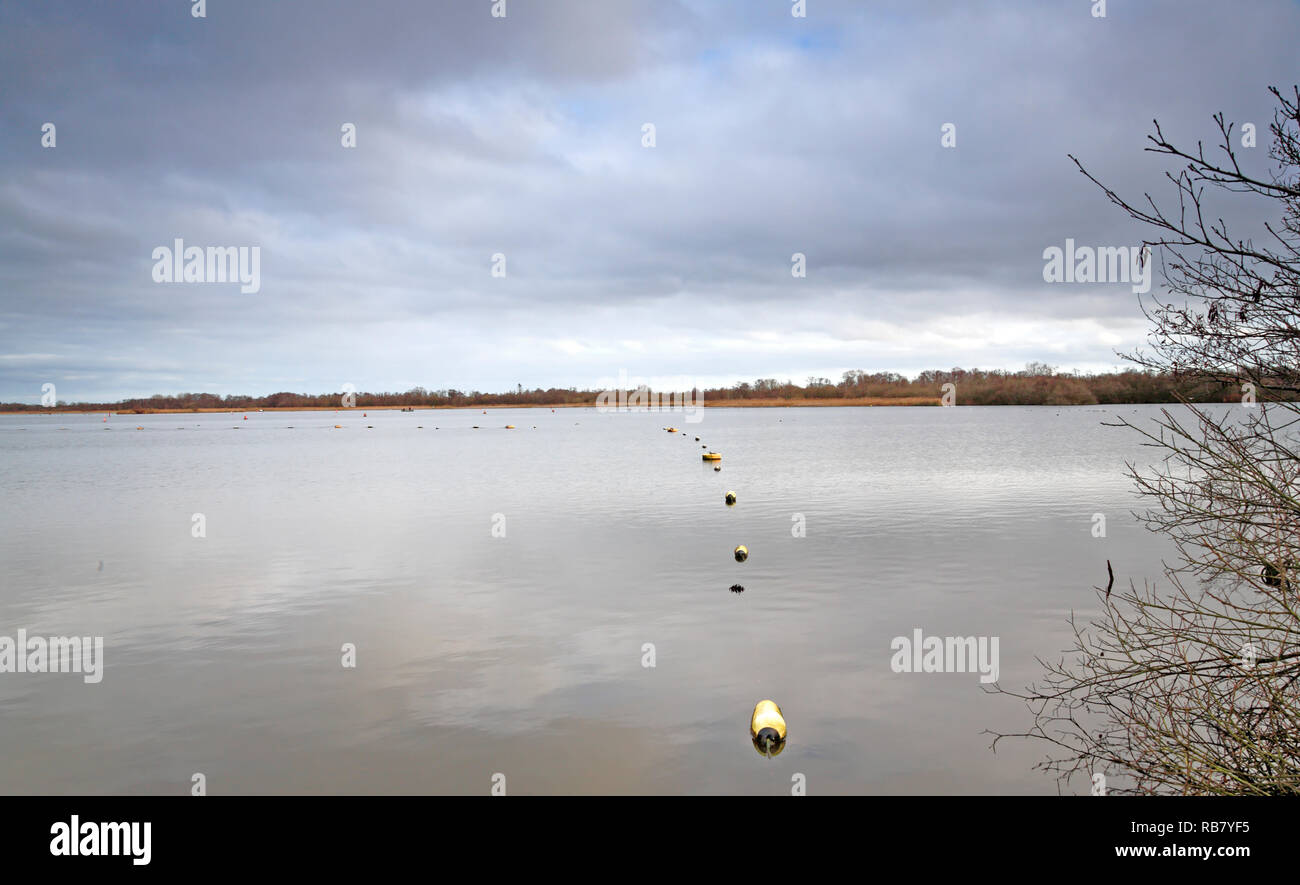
523, 136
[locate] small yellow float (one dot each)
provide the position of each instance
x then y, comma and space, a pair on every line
767, 728
711, 456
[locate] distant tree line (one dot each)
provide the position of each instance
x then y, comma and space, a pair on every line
1036, 385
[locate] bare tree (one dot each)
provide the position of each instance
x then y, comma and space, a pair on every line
1192, 687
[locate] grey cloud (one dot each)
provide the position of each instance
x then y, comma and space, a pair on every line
478, 136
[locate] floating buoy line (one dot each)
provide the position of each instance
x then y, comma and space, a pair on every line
767, 727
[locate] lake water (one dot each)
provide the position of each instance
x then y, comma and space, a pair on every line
523, 655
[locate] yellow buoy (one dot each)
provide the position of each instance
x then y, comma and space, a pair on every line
731, 497
671, 429
510, 427
711, 456
767, 728
742, 553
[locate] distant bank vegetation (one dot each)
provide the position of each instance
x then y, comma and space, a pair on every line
1036, 385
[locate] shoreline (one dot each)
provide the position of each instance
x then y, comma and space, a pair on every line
768, 403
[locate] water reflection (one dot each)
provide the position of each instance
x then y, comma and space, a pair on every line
521, 652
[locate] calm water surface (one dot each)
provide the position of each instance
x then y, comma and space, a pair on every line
523, 654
